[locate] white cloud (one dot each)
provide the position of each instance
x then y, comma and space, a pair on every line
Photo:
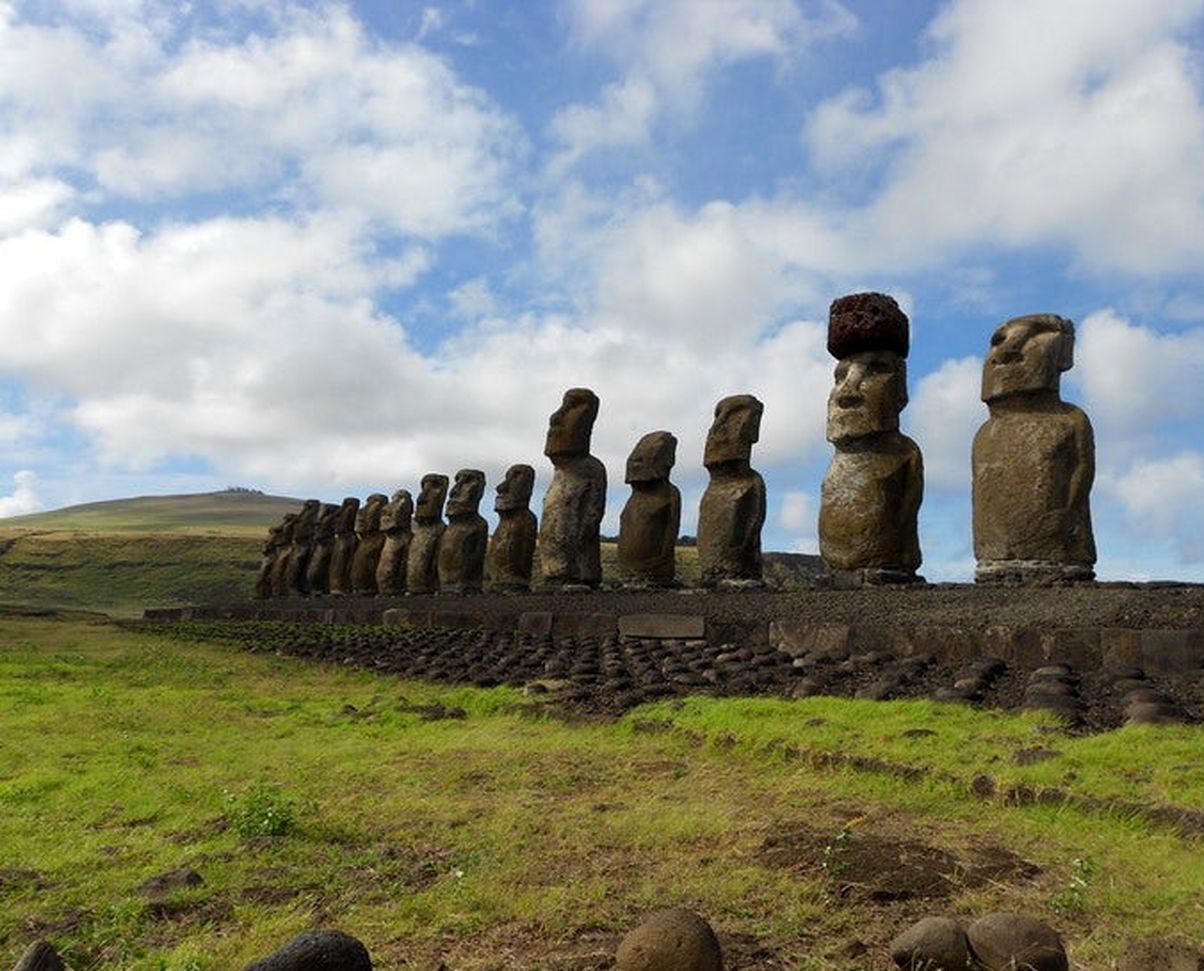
1077, 123
798, 516
23, 499
1161, 499
942, 417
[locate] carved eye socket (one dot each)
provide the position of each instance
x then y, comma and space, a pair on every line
997, 338
842, 371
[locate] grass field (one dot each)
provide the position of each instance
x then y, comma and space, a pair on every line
477, 828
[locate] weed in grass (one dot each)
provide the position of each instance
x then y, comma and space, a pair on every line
262, 810
1071, 900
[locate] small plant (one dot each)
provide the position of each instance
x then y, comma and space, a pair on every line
262, 810
1072, 899
836, 852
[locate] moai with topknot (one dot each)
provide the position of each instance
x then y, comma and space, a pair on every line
343, 552
301, 548
570, 549
395, 524
873, 488
369, 541
1033, 460
461, 557
422, 573
649, 522
511, 549
732, 510
317, 573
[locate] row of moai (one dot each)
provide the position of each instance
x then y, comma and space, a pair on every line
1032, 465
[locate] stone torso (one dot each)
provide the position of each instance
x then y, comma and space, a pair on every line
648, 529
421, 563
461, 555
512, 550
391, 567
730, 517
869, 505
569, 546
365, 560
1032, 477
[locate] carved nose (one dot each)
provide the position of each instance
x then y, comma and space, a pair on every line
849, 399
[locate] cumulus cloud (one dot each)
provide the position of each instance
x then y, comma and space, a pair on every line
798, 516
1161, 500
942, 417
23, 499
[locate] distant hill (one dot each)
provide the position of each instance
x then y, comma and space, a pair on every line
229, 511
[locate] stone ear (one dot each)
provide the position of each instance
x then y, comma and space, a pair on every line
1066, 351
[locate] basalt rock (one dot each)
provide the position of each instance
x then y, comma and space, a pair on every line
343, 551
321, 950
511, 550
422, 574
1005, 942
395, 524
732, 510
671, 940
461, 556
932, 944
650, 520
570, 550
40, 956
369, 542
1033, 460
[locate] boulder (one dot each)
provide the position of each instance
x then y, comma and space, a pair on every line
670, 940
1007, 942
40, 956
933, 944
321, 950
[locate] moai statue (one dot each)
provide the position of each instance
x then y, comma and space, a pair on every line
512, 546
649, 522
570, 549
422, 568
1034, 460
874, 485
271, 547
369, 541
302, 547
343, 552
317, 574
732, 510
395, 524
461, 556
284, 548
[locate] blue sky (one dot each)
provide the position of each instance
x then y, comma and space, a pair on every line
321, 249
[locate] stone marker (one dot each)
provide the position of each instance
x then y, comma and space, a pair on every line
874, 485
1005, 942
512, 546
670, 940
284, 548
369, 541
301, 548
934, 944
649, 522
343, 550
317, 574
321, 950
40, 956
395, 521
461, 556
422, 574
271, 545
570, 550
1033, 460
732, 510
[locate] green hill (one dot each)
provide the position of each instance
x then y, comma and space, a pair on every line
126, 554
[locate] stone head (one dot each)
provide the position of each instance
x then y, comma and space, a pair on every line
570, 425
514, 491
869, 392
399, 511
368, 519
310, 509
1027, 355
326, 520
736, 427
287, 525
466, 493
432, 492
345, 518
652, 458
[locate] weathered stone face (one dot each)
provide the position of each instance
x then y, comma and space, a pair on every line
432, 493
367, 520
370, 542
735, 430
869, 393
465, 497
396, 515
514, 491
652, 458
866, 322
1033, 460
650, 520
344, 545
1027, 355
395, 521
571, 425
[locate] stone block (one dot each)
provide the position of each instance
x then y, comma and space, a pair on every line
947, 643
1019, 646
1172, 651
668, 626
797, 639
535, 623
457, 619
1078, 648
404, 617
1120, 645
584, 625
864, 638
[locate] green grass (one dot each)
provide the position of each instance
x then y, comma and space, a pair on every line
507, 837
242, 513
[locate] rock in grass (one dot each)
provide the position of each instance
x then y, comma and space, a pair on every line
323, 950
165, 884
670, 940
1005, 942
934, 944
1157, 954
40, 956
